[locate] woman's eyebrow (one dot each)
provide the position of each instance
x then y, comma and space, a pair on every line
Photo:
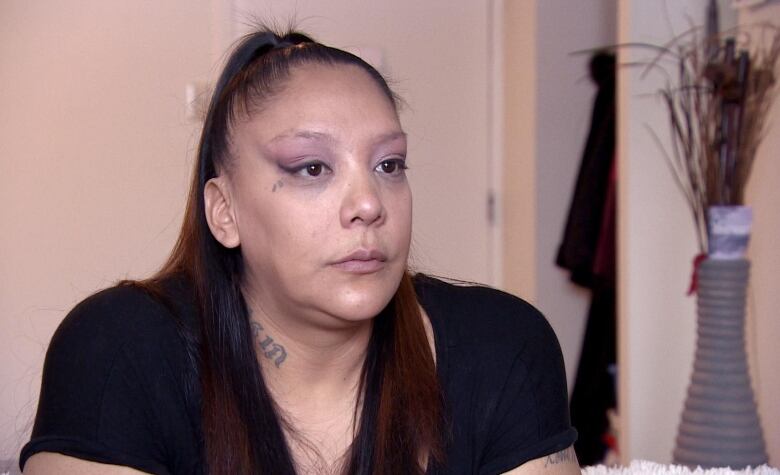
303, 134
390, 136
325, 137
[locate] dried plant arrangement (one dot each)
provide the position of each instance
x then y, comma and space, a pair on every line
717, 105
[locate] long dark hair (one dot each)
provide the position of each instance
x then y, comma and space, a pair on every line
401, 418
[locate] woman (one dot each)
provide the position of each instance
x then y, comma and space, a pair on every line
285, 335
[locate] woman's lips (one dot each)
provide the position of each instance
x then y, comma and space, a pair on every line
362, 261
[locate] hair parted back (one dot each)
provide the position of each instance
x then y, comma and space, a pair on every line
400, 424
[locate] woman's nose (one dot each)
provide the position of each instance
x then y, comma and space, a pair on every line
362, 204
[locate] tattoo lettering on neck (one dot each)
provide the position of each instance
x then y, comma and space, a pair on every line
566, 455
270, 349
278, 185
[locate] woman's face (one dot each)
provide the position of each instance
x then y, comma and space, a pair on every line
320, 200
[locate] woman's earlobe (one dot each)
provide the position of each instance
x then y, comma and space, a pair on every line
220, 213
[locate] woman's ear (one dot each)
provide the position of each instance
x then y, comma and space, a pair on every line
220, 214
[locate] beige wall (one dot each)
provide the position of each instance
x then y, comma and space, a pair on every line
764, 297
94, 157
518, 183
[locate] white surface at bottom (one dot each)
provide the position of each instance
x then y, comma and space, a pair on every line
645, 467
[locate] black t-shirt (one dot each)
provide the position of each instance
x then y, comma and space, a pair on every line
119, 387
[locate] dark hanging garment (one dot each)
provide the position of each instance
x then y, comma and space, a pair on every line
583, 226
594, 387
588, 252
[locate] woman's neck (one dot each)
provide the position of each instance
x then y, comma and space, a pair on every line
305, 365
313, 376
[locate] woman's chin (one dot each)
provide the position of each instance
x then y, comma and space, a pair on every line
364, 297
362, 304
359, 310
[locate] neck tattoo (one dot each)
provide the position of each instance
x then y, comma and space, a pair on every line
267, 346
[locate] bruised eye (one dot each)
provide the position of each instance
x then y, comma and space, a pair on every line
395, 166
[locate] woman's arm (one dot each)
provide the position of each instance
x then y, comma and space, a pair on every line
45, 463
559, 463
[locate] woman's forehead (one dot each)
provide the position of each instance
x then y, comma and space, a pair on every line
313, 82
325, 102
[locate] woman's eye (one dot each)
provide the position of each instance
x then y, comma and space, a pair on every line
310, 170
392, 167
313, 169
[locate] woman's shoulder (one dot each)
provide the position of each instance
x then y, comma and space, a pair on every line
115, 381
499, 361
122, 328
126, 313
479, 314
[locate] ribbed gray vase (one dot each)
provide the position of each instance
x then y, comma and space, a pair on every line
720, 425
